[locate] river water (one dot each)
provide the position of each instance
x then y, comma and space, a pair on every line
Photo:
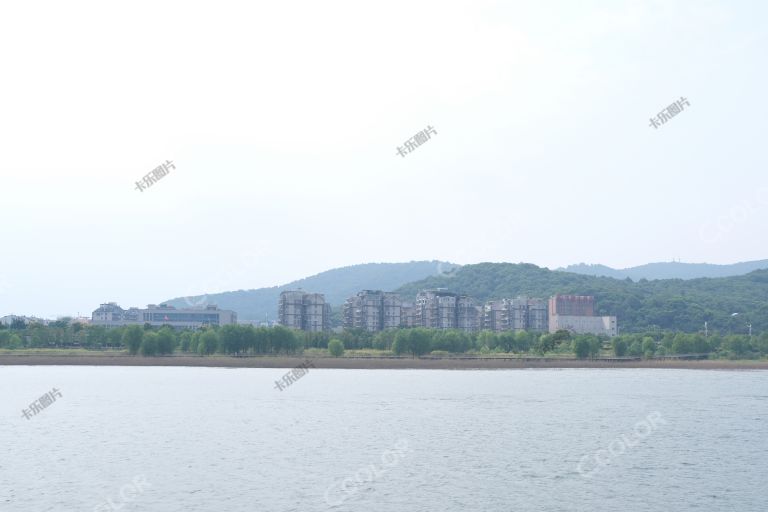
207, 439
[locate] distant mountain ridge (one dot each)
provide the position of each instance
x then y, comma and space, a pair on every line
337, 285
668, 270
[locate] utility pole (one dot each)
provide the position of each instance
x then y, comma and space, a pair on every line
706, 330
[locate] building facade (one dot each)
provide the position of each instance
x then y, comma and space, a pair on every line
527, 314
304, 311
572, 305
373, 311
441, 309
520, 314
112, 315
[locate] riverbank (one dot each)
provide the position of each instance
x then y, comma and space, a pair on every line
373, 363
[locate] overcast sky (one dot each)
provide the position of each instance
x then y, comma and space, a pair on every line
283, 121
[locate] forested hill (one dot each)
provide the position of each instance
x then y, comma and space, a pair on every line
337, 285
669, 270
640, 306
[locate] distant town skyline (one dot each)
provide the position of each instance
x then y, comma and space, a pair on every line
284, 154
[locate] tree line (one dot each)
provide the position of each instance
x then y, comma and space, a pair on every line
242, 340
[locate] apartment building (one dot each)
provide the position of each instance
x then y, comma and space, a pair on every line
304, 311
441, 309
520, 314
373, 311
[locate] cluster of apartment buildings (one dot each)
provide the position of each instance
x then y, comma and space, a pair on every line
376, 310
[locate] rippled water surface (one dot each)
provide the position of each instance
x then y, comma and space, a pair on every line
202, 439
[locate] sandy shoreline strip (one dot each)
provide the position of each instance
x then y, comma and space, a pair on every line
369, 363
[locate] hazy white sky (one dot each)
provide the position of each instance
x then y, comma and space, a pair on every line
283, 120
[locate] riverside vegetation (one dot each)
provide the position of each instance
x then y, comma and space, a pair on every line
246, 340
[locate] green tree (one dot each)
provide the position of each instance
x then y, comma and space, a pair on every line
648, 347
402, 342
486, 339
545, 343
619, 347
595, 346
15, 341
149, 344
581, 347
208, 342
166, 341
421, 341
523, 341
384, 339
283, 339
336, 347
232, 339
736, 346
132, 337
185, 341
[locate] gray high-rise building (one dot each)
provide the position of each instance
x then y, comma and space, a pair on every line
496, 316
304, 311
528, 314
441, 309
373, 311
520, 314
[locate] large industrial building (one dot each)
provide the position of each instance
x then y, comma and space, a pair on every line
304, 311
601, 325
112, 315
576, 313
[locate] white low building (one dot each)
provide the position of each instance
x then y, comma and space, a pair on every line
600, 325
112, 315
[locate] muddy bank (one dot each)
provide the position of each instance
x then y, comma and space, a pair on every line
371, 363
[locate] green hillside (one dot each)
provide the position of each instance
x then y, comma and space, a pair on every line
674, 304
669, 270
336, 284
